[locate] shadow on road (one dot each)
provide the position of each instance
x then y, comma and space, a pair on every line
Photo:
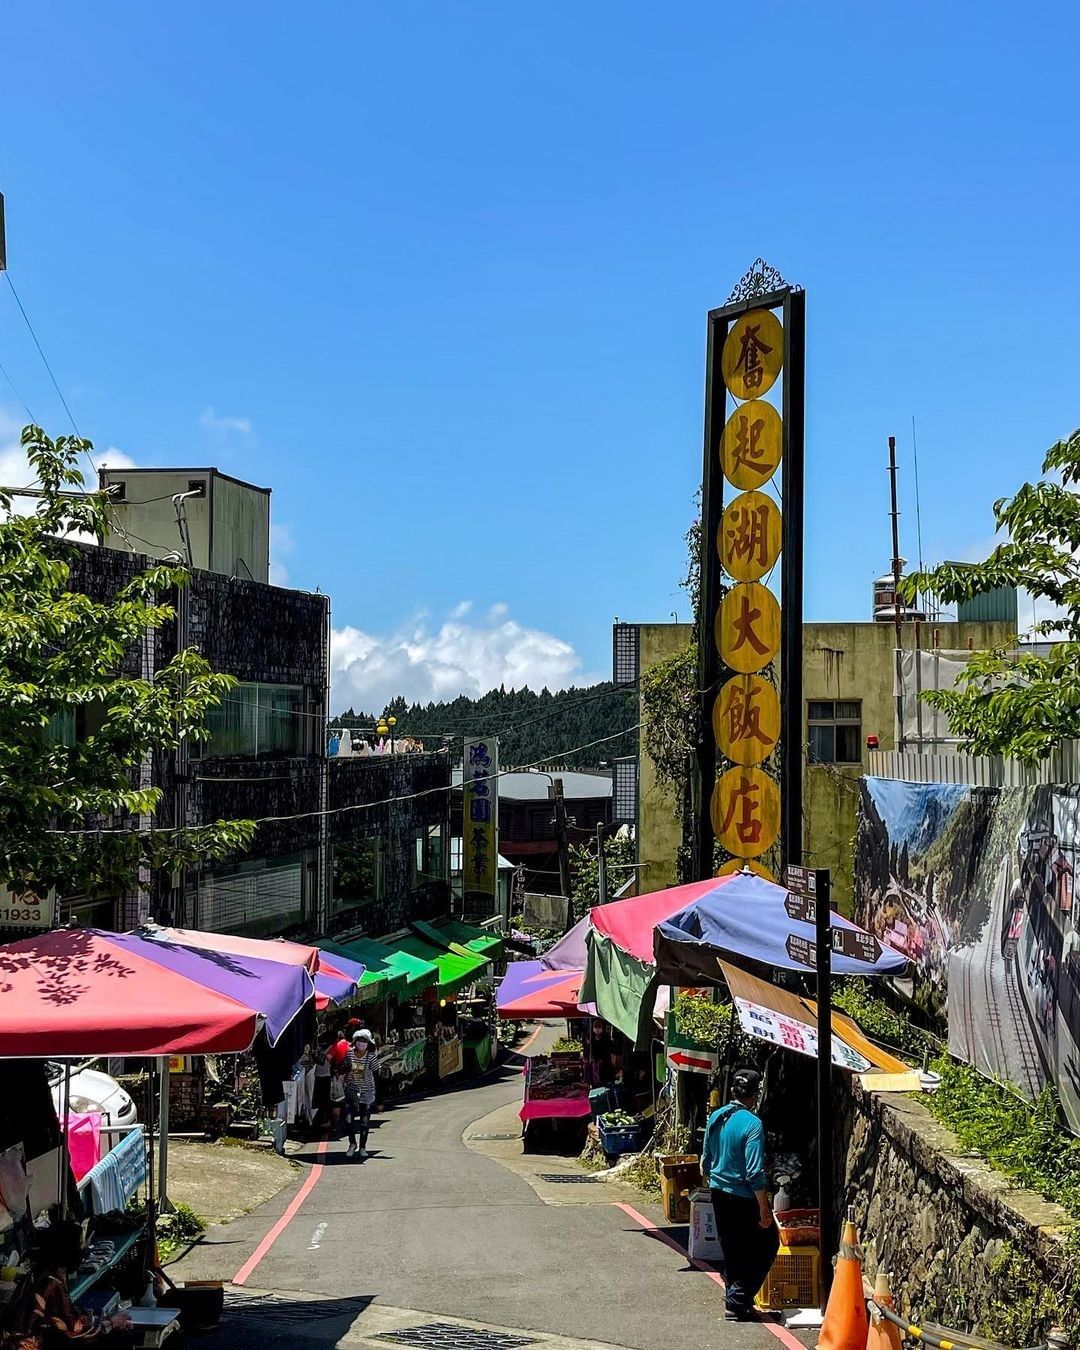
255, 1319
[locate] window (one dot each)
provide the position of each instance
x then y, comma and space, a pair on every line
834, 731
257, 719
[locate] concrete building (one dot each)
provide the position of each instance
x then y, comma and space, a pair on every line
849, 672
267, 751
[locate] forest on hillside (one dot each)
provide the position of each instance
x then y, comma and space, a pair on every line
531, 727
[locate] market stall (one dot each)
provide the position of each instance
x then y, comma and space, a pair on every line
82, 993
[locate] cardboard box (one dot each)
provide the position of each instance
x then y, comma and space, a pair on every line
704, 1244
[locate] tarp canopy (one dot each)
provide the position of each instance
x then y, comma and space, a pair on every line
784, 1019
381, 978
268, 949
630, 923
275, 990
743, 915
571, 951
454, 970
478, 940
75, 993
337, 982
528, 992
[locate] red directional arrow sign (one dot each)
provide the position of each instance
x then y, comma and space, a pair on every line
694, 1061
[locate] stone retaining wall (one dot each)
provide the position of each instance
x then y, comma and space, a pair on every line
965, 1248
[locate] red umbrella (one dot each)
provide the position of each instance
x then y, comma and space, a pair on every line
74, 993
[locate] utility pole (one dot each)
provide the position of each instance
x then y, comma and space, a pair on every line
563, 841
601, 864
898, 617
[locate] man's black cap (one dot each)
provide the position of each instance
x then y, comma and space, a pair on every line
746, 1082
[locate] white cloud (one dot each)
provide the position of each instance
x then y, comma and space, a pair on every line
367, 670
222, 429
282, 545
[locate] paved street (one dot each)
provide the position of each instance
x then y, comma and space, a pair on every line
431, 1229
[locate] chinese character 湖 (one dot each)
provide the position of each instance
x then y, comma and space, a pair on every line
747, 534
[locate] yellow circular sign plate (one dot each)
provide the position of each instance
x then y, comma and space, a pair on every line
747, 627
746, 719
752, 444
749, 536
745, 811
737, 864
753, 353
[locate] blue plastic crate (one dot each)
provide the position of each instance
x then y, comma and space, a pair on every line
619, 1139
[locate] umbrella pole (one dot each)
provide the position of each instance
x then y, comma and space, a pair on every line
164, 1204
151, 1220
65, 1146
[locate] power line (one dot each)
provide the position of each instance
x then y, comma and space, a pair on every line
17, 394
360, 806
45, 360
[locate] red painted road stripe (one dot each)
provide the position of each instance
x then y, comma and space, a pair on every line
247, 1269
520, 1050
781, 1333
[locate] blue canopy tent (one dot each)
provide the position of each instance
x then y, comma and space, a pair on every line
744, 916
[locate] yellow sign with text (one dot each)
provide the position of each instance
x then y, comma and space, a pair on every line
745, 811
752, 444
753, 354
746, 719
748, 627
750, 536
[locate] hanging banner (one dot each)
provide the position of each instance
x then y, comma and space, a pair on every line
480, 822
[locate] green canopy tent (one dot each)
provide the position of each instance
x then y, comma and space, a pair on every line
388, 973
454, 934
455, 969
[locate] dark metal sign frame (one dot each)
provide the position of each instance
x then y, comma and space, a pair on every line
792, 302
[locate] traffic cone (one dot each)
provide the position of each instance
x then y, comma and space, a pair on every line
846, 1324
883, 1334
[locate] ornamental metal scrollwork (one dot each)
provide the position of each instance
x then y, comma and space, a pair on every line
761, 278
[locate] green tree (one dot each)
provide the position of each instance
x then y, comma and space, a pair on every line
585, 874
70, 812
1005, 702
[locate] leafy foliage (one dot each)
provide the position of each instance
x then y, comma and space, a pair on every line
585, 875
1009, 703
669, 718
61, 651
880, 1021
531, 727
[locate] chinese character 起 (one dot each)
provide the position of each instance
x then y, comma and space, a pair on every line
743, 714
747, 534
750, 349
744, 800
748, 453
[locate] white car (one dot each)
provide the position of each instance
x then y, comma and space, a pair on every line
93, 1091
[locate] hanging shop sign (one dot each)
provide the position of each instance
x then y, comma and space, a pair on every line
749, 536
746, 719
750, 750
769, 1025
26, 910
752, 445
748, 628
480, 820
753, 354
746, 811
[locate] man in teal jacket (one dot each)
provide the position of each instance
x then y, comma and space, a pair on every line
733, 1164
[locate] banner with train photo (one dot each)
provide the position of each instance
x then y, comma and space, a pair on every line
976, 886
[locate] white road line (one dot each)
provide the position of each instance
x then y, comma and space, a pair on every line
317, 1237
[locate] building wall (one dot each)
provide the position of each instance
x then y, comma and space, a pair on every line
659, 833
856, 661
240, 542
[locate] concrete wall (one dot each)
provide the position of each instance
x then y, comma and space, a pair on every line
659, 832
240, 541
856, 661
964, 1247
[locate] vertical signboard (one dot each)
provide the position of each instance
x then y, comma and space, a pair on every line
749, 779
480, 826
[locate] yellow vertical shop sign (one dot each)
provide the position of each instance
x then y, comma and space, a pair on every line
480, 817
746, 715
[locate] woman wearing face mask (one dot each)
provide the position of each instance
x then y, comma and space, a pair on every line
365, 1060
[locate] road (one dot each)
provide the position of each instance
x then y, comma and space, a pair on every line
432, 1229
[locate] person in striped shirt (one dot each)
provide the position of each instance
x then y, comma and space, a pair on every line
360, 1095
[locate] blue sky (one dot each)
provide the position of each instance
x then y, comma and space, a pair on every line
438, 274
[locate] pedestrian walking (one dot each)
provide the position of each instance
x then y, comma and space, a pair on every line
360, 1092
733, 1162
